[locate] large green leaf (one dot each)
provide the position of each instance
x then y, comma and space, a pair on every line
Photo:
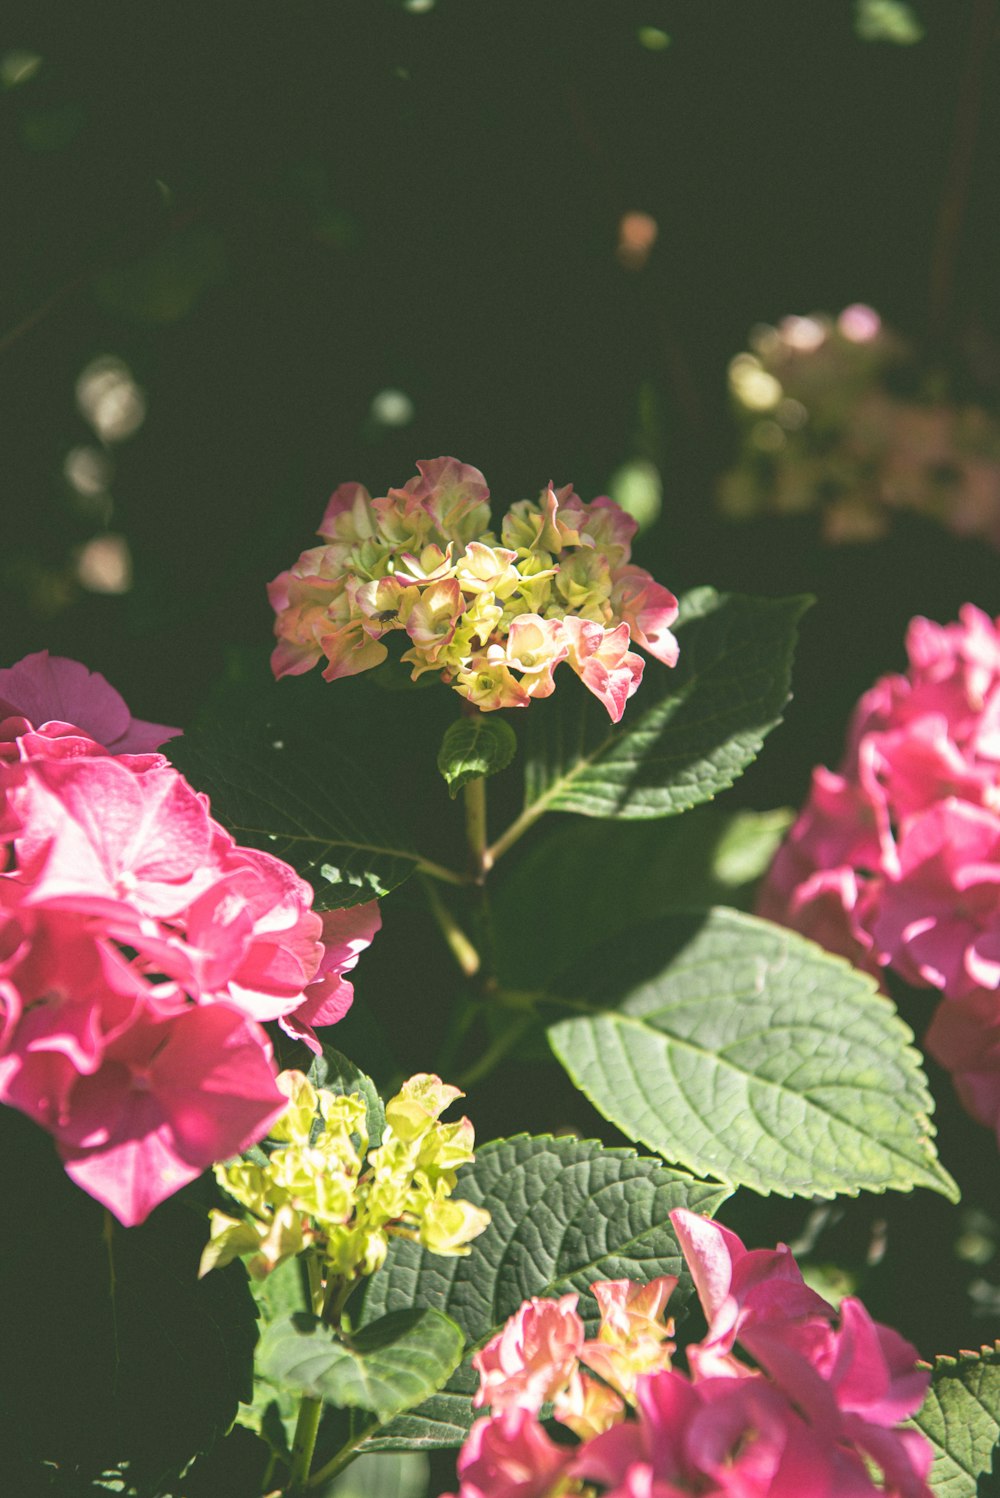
388, 1366
743, 1051
687, 734
473, 748
555, 903
565, 1212
961, 1419
304, 802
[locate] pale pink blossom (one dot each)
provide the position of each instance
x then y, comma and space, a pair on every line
535, 646
587, 1406
454, 495
602, 660
308, 600
510, 1456
348, 515
422, 558
648, 609
532, 1358
633, 1338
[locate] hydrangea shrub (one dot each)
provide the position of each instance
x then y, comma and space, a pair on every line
180, 930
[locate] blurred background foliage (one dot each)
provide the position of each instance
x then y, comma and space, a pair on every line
253, 251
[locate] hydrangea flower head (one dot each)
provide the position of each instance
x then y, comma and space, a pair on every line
817, 1414
322, 1186
894, 862
493, 617
141, 948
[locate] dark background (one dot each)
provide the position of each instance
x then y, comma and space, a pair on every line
273, 213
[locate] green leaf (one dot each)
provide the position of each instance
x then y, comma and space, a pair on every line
474, 748
303, 802
887, 21
687, 734
272, 1411
743, 1051
553, 904
566, 1212
382, 1474
386, 1367
339, 1075
961, 1419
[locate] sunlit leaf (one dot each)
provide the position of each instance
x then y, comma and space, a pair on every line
474, 748
961, 1419
687, 734
565, 1212
743, 1051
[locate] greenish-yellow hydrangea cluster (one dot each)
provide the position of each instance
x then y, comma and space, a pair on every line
322, 1187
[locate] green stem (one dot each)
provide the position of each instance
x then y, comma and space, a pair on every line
474, 794
315, 1279
438, 871
496, 1051
517, 829
337, 1293
343, 1459
304, 1444
459, 944
462, 1019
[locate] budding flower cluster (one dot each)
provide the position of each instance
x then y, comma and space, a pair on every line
322, 1187
492, 617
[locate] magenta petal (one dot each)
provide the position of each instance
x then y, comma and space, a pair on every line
46, 688
132, 1176
178, 1093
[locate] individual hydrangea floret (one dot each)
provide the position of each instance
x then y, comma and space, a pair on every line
894, 862
319, 1186
492, 616
817, 1414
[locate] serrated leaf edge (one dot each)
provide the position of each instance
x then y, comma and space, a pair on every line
950, 1189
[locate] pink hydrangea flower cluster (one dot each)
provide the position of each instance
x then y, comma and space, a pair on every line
895, 859
817, 1417
141, 948
492, 617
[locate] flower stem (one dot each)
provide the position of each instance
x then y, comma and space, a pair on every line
438, 871
459, 944
343, 1459
474, 794
516, 830
496, 1051
304, 1444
